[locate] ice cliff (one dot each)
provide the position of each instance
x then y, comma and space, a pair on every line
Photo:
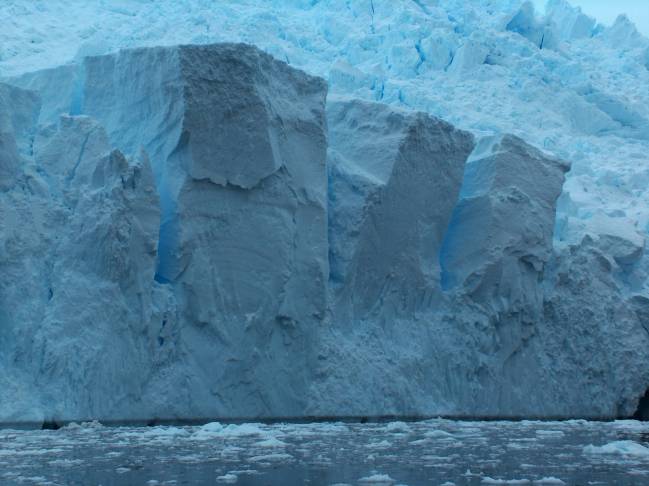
201, 231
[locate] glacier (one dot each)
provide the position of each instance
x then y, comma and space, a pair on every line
321, 209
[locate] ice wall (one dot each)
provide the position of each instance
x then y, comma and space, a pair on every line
500, 238
394, 178
237, 145
452, 59
17, 122
518, 329
238, 142
203, 235
77, 249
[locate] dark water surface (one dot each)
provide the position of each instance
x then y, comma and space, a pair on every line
437, 452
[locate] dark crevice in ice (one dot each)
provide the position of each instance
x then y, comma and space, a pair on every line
167, 262
82, 150
50, 425
642, 412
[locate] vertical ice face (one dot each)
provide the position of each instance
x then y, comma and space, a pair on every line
586, 310
60, 90
500, 236
252, 210
78, 234
95, 330
199, 277
400, 52
251, 226
20, 301
394, 180
9, 161
237, 141
18, 115
137, 95
228, 120
67, 152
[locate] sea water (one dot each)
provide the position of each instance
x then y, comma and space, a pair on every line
437, 452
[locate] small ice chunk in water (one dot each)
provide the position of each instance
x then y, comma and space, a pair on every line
227, 478
549, 480
217, 430
208, 431
243, 430
383, 444
271, 458
488, 480
65, 462
398, 428
550, 433
620, 447
377, 479
271, 442
165, 432
439, 434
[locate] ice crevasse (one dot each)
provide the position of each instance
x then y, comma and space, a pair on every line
218, 230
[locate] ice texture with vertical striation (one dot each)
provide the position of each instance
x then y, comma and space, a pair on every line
196, 231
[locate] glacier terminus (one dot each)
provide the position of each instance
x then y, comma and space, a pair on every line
321, 209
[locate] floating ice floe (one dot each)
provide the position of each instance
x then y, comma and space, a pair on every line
377, 479
619, 448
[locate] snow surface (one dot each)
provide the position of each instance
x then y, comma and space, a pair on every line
201, 234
